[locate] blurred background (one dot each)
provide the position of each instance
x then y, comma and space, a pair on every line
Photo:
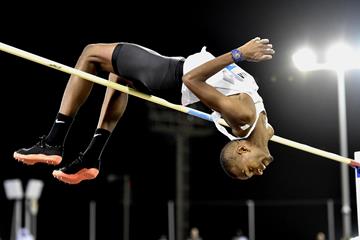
161, 168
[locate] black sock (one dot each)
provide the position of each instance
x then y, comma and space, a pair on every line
97, 144
59, 130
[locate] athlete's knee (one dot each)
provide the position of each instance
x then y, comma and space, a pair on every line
91, 50
99, 54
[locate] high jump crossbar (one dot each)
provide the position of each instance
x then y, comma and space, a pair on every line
193, 112
357, 188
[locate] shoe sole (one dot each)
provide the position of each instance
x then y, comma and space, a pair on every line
83, 174
32, 159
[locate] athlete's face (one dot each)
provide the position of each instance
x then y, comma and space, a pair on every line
253, 160
250, 161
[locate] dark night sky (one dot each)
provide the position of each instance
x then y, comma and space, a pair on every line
301, 107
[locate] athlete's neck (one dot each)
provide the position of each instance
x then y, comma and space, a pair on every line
260, 135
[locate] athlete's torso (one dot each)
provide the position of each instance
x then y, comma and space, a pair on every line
231, 81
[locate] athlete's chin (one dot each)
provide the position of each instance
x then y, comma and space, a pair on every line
243, 178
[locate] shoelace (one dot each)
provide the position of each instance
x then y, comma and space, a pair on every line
42, 142
78, 160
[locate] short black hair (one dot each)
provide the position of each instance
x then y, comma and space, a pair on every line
227, 159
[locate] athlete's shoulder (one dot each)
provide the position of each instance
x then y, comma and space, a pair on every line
203, 52
196, 59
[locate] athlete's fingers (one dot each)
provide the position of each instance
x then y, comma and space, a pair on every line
265, 57
264, 41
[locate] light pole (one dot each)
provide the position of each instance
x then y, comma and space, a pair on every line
14, 191
32, 195
340, 58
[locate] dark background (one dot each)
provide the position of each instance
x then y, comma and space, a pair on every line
290, 197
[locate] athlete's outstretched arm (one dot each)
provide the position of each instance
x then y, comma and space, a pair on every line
255, 50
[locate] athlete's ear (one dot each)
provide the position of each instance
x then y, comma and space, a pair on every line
242, 148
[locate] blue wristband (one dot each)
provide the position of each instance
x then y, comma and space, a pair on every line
236, 55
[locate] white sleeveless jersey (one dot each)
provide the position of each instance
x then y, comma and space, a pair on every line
229, 81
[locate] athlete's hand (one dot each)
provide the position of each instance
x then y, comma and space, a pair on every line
257, 50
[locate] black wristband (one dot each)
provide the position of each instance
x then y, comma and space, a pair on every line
236, 55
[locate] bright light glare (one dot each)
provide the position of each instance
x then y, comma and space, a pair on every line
340, 56
34, 189
13, 189
304, 59
356, 58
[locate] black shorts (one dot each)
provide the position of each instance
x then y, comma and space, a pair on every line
150, 72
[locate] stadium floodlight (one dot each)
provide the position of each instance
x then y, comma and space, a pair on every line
34, 189
13, 189
340, 58
305, 59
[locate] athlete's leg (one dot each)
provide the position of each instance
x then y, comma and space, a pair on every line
87, 165
50, 148
113, 107
93, 58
